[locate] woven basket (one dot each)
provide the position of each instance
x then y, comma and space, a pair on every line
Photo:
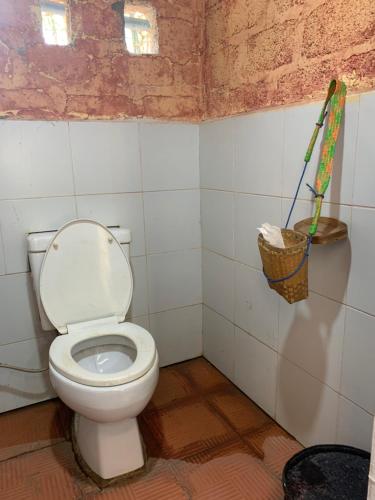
281, 262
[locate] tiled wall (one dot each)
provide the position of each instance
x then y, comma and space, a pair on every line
144, 176
310, 365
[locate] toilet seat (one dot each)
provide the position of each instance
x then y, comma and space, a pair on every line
85, 276
62, 360
86, 287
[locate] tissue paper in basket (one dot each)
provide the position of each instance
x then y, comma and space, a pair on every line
272, 234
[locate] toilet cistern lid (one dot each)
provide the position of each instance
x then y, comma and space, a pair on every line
85, 276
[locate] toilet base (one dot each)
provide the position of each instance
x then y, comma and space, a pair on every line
108, 451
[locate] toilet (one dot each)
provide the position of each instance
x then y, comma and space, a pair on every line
103, 368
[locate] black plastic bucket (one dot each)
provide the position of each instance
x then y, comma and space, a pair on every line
327, 472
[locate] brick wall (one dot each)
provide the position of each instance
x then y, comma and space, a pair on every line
272, 52
255, 54
95, 77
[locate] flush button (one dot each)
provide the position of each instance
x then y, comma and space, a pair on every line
110, 240
55, 246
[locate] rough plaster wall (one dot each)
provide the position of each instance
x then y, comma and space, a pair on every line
263, 53
258, 53
95, 77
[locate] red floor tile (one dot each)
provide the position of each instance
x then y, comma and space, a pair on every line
184, 430
227, 449
157, 484
30, 428
242, 413
203, 375
172, 387
50, 473
208, 440
237, 476
274, 447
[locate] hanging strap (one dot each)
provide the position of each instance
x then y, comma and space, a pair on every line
336, 97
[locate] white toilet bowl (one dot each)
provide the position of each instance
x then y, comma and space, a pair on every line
103, 369
107, 378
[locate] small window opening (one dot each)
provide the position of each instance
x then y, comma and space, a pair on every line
141, 31
55, 22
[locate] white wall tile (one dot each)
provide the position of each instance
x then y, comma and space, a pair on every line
217, 221
255, 370
20, 389
170, 156
329, 265
358, 369
178, 334
364, 181
299, 125
306, 408
125, 210
18, 310
34, 159
362, 272
311, 336
354, 427
250, 213
172, 220
218, 283
139, 303
302, 210
258, 153
31, 353
106, 157
143, 321
174, 279
218, 341
2, 255
216, 159
256, 305
20, 217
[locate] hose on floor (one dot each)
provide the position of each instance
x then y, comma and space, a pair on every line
26, 370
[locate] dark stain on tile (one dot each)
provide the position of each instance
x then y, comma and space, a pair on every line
205, 440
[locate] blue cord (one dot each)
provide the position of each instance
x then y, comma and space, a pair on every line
298, 268
296, 195
309, 240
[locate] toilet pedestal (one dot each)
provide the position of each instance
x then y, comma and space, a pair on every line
109, 449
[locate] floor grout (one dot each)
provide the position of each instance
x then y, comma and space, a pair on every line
178, 460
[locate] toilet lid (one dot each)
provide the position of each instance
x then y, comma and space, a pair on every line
85, 276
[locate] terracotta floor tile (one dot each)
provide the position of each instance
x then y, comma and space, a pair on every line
173, 386
30, 428
18, 492
241, 412
224, 450
204, 375
50, 473
191, 428
184, 430
237, 476
274, 447
157, 484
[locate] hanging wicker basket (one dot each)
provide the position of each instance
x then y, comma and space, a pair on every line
286, 269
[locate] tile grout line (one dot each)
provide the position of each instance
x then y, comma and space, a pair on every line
140, 156
289, 361
255, 269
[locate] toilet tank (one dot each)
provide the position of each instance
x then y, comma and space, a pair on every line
37, 244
